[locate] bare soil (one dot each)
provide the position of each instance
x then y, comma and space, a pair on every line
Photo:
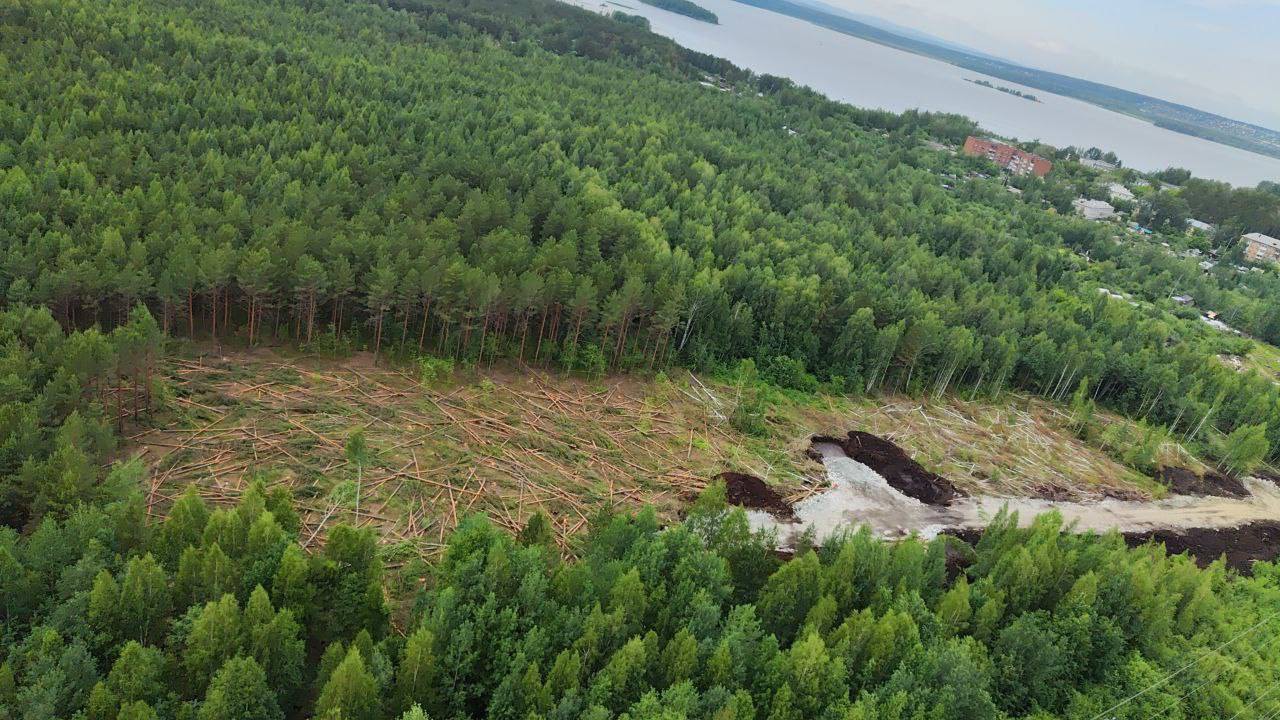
749, 491
1241, 546
1184, 481
897, 468
1268, 474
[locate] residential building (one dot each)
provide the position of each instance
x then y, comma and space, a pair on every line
1183, 299
1093, 209
1261, 248
1016, 161
1200, 227
1120, 192
1097, 164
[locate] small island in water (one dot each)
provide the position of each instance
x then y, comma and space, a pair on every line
684, 7
1003, 89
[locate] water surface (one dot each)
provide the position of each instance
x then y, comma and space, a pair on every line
865, 74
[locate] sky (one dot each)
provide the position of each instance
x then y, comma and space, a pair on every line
1222, 56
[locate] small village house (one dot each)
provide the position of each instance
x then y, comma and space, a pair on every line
1201, 227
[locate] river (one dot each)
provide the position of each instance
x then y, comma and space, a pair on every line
866, 74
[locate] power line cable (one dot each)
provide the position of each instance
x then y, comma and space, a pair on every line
1255, 701
1208, 680
1183, 669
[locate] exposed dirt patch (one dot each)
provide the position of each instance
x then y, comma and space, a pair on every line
1125, 495
1242, 546
1183, 481
1269, 475
749, 491
893, 464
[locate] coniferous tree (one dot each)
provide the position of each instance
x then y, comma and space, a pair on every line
240, 690
350, 692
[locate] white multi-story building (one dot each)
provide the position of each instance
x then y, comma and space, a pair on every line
1093, 209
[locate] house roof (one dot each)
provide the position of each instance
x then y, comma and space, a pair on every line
1263, 239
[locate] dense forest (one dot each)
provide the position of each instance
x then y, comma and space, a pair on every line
488, 179
685, 7
432, 183
218, 613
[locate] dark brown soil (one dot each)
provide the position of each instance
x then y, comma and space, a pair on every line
1121, 494
1241, 546
896, 467
749, 491
1268, 474
1183, 481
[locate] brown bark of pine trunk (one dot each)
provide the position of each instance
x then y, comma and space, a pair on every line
311, 316
542, 326
377, 336
622, 339
426, 315
213, 313
524, 335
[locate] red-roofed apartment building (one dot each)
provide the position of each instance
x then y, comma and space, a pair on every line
1018, 162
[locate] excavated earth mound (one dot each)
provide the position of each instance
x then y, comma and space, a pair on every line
1186, 482
1242, 545
897, 468
751, 492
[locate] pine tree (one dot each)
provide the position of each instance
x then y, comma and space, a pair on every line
216, 637
240, 690
137, 710
291, 586
145, 601
138, 674
351, 692
183, 527
416, 678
